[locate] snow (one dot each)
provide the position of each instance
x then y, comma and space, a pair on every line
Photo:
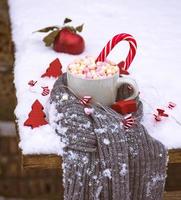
106, 141
99, 189
107, 173
153, 182
124, 170
155, 25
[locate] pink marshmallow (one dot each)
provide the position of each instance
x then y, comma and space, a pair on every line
88, 69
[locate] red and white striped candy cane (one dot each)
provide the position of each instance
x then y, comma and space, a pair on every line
128, 121
32, 83
171, 105
124, 65
85, 100
45, 91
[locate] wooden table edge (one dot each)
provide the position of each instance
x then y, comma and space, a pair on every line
50, 161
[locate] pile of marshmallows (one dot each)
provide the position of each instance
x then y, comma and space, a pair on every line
87, 68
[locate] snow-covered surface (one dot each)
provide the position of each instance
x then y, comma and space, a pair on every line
155, 25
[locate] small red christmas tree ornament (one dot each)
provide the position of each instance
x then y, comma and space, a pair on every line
125, 106
36, 116
54, 69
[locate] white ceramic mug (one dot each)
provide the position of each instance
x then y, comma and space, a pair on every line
103, 90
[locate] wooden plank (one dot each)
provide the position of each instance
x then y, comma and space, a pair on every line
173, 181
41, 161
54, 161
175, 156
176, 195
7, 91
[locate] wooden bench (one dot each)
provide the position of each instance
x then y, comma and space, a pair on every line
52, 161
173, 183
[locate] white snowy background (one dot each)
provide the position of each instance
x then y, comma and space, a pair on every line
154, 24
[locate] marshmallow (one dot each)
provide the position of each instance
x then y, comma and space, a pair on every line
88, 69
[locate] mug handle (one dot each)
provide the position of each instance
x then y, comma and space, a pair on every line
132, 83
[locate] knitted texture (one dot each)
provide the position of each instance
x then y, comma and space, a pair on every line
101, 159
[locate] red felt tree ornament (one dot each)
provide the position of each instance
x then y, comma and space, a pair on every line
36, 116
54, 70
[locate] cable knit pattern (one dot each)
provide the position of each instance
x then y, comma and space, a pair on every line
102, 160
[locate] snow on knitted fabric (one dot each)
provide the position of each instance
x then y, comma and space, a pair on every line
102, 160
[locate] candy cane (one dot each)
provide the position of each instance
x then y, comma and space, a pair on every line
128, 121
32, 83
85, 100
124, 65
45, 91
171, 105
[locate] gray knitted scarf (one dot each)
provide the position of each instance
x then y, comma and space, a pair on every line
102, 160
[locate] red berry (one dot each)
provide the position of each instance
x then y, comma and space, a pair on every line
68, 42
